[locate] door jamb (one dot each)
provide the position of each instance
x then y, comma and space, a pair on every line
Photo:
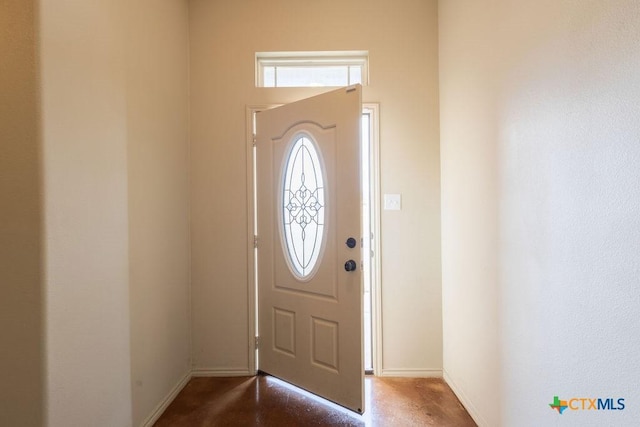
252, 288
376, 260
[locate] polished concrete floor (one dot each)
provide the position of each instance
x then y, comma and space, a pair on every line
267, 401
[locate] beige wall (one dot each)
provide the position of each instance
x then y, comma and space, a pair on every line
84, 133
541, 206
470, 203
21, 373
157, 141
402, 40
115, 136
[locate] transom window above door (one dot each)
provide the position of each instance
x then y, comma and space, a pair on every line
312, 69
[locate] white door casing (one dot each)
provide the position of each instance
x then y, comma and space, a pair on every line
310, 315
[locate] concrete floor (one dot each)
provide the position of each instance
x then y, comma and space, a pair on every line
267, 401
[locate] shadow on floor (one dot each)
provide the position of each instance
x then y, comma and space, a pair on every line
266, 401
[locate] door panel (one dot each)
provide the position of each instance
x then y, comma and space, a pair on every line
308, 205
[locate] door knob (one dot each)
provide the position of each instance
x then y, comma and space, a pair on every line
350, 265
351, 242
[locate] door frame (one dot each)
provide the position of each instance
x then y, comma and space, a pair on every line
252, 284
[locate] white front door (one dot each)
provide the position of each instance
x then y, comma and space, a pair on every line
310, 294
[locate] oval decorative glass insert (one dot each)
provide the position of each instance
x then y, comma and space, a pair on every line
303, 203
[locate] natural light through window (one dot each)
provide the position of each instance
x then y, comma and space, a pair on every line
311, 69
303, 206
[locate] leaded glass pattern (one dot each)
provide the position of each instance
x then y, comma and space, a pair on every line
303, 206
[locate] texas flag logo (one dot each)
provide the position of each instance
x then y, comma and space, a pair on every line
558, 405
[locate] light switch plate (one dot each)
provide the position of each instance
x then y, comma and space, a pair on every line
392, 202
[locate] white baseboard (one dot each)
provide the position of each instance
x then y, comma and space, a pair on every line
164, 403
413, 373
208, 372
466, 402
